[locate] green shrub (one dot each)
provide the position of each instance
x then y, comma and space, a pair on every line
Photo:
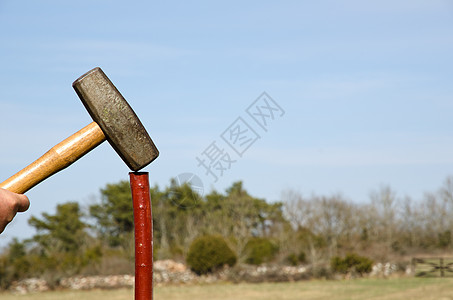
208, 253
293, 259
302, 257
338, 265
351, 262
259, 250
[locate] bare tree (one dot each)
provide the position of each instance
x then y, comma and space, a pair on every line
385, 202
333, 219
300, 214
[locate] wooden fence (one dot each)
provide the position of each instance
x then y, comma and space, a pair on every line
433, 267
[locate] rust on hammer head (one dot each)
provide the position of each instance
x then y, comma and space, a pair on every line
118, 121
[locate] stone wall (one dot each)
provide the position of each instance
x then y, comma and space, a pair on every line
171, 272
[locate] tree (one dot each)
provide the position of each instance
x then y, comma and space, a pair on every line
300, 214
319, 221
61, 242
114, 214
385, 202
240, 216
335, 221
177, 214
14, 264
180, 215
62, 232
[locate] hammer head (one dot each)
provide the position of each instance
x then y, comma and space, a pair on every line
115, 117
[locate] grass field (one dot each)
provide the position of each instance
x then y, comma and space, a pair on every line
407, 289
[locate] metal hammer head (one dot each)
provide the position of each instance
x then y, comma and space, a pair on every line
120, 124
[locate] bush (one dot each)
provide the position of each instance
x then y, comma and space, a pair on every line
351, 262
338, 265
293, 259
208, 253
259, 250
302, 257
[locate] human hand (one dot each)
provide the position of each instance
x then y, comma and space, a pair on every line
10, 204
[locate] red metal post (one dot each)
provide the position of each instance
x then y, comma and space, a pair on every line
143, 235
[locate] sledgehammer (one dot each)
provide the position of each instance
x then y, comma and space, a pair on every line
114, 120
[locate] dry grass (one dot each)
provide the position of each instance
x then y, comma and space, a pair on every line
376, 289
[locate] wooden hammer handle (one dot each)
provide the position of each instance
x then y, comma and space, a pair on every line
56, 159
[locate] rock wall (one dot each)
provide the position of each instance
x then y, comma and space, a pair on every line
171, 272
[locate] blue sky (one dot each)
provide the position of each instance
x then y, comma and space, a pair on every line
366, 88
